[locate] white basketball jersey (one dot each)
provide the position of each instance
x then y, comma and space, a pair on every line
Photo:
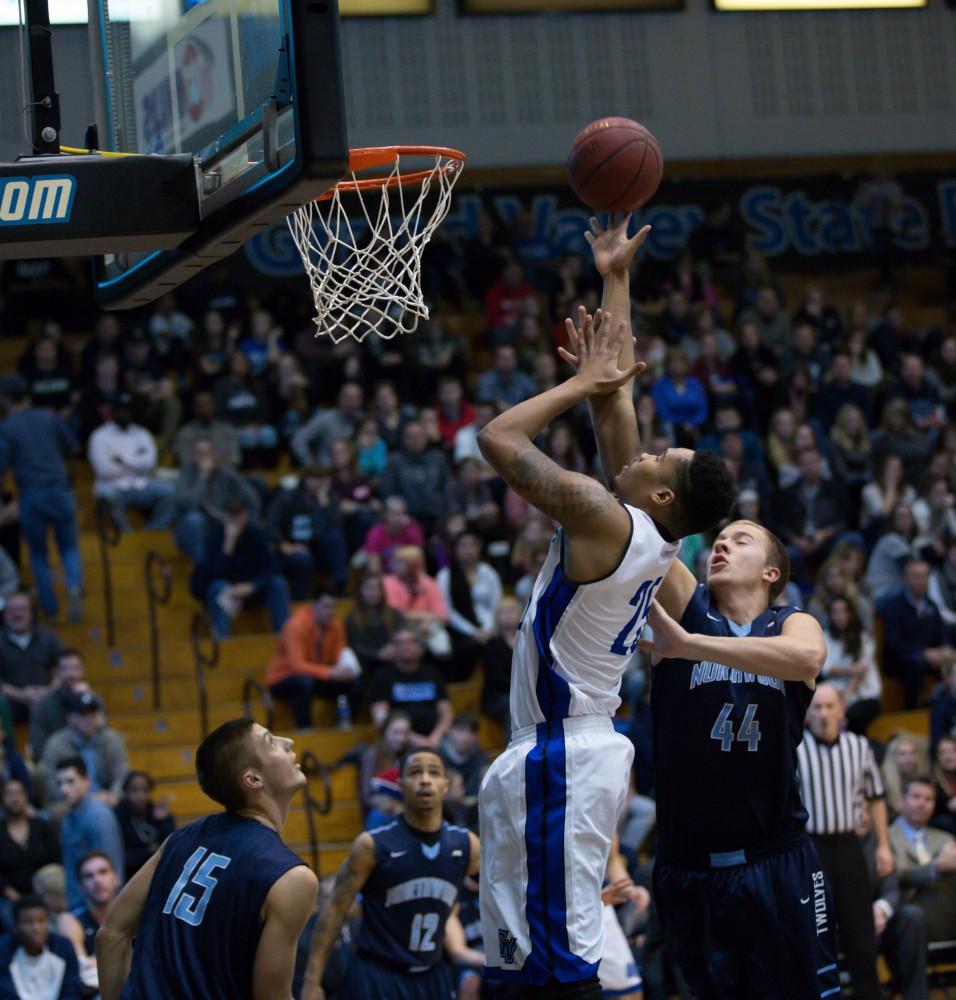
575, 640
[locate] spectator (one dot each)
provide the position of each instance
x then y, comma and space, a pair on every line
415, 686
356, 495
28, 653
390, 414
47, 367
386, 753
371, 625
454, 411
99, 394
48, 715
243, 401
915, 639
805, 353
205, 424
935, 517
680, 399
834, 581
143, 824
824, 318
418, 474
920, 393
850, 455
89, 825
851, 665
105, 340
755, 366
262, 344
290, 387
123, 455
396, 530
33, 444
881, 495
237, 566
12, 766
460, 750
504, 384
149, 378
925, 859
496, 688
27, 843
506, 298
312, 659
471, 590
942, 717
942, 587
199, 498
898, 435
466, 440
781, 446
99, 884
307, 527
771, 320
36, 964
49, 883
866, 370
884, 570
944, 774
168, 322
312, 442
212, 350
101, 749
418, 597
372, 450
905, 758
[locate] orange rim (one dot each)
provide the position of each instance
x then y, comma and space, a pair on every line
371, 157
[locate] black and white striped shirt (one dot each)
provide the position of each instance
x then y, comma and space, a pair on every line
834, 778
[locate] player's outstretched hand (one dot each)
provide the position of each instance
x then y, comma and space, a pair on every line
613, 249
597, 340
670, 638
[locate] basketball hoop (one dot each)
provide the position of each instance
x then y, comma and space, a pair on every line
364, 260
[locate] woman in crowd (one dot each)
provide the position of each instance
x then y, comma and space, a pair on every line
27, 843
781, 446
383, 755
143, 824
358, 503
898, 435
471, 589
850, 454
496, 688
371, 624
944, 774
907, 756
833, 581
882, 494
935, 516
390, 414
866, 369
851, 665
884, 571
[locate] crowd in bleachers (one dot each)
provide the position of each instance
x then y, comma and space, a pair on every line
286, 467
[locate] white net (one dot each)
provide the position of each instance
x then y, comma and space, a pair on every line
362, 250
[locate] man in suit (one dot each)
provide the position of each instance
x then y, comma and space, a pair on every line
925, 859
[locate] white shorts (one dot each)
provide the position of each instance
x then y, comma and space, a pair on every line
549, 806
618, 972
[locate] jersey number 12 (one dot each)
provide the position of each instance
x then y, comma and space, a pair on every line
182, 904
424, 927
748, 733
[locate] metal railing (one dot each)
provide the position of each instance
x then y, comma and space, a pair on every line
108, 533
200, 630
253, 687
159, 588
312, 767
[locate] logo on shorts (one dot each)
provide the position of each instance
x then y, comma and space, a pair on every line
819, 902
507, 946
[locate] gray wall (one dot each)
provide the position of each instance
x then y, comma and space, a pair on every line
513, 91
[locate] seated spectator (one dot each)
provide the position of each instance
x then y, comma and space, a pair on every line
504, 384
89, 825
358, 503
906, 757
935, 518
418, 474
414, 685
101, 748
390, 415
313, 660
28, 654
832, 582
851, 665
12, 765
680, 398
755, 367
395, 530
883, 493
238, 566
242, 401
920, 393
893, 549
471, 590
942, 714
123, 455
168, 322
898, 435
925, 859
496, 659
307, 527
47, 367
944, 774
199, 498
418, 597
27, 843
770, 319
143, 824
99, 884
371, 624
211, 354
262, 344
385, 798
781, 447
151, 380
506, 298
49, 883
851, 459
290, 387
36, 964
454, 411
205, 424
942, 587
383, 755
312, 442
49, 713
460, 750
824, 318
839, 390
866, 369
466, 440
471, 495
99, 393
915, 639
371, 449
804, 353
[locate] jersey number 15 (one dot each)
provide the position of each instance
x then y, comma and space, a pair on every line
182, 904
623, 645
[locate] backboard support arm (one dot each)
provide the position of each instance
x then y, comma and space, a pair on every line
46, 101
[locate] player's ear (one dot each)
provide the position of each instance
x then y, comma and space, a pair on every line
771, 574
250, 780
663, 496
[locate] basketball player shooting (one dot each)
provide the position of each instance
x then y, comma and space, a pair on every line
550, 803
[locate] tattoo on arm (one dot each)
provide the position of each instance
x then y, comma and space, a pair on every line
555, 492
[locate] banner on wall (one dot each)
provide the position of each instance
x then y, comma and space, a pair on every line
807, 222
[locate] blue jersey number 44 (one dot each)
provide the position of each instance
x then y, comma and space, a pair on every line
749, 731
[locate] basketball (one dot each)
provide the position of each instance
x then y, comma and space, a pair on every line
615, 165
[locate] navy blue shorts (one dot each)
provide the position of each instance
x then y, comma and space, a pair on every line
764, 930
367, 981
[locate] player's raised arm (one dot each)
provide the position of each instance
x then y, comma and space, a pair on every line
353, 874
287, 908
114, 940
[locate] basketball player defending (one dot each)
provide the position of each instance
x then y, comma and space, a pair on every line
218, 910
738, 884
551, 802
409, 873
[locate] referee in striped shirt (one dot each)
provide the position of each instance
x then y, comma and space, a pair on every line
837, 771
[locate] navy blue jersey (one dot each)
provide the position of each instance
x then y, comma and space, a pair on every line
725, 748
412, 889
202, 920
